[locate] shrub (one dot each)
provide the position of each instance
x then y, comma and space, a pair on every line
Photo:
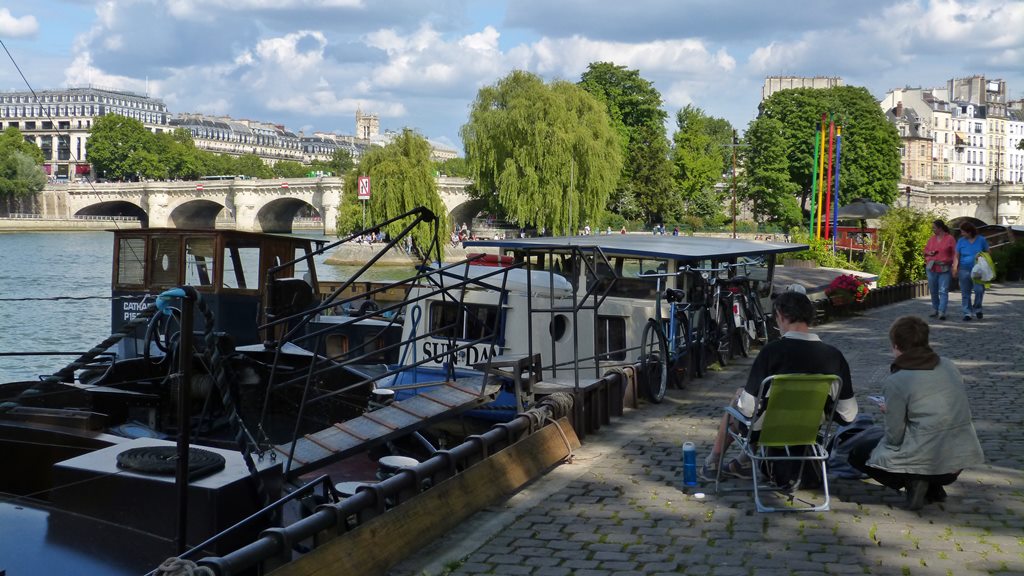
819, 251
1009, 261
903, 232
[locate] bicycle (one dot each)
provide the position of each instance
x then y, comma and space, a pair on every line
712, 319
665, 353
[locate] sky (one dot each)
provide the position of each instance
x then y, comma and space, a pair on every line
310, 64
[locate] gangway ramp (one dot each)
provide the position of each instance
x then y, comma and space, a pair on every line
433, 402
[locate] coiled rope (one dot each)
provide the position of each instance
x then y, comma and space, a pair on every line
180, 567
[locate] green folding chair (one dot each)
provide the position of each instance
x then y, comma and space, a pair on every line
793, 418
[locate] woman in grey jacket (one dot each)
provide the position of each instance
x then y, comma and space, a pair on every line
929, 438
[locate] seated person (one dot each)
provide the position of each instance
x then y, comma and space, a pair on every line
799, 351
929, 438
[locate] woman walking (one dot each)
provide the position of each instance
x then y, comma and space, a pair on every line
938, 255
968, 247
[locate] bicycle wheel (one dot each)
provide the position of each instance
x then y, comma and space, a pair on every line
699, 344
679, 371
760, 319
653, 378
741, 341
724, 330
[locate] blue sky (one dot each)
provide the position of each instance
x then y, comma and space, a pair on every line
309, 64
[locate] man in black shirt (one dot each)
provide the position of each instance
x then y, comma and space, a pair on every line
799, 351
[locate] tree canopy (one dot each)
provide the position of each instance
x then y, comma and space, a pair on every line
645, 186
767, 187
121, 148
870, 162
115, 146
21, 174
545, 155
700, 162
401, 178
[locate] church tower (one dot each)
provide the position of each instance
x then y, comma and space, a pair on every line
367, 125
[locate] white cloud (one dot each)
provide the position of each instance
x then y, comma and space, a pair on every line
327, 103
207, 9
568, 57
284, 52
779, 57
12, 26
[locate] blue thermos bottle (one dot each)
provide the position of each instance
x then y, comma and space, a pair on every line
689, 464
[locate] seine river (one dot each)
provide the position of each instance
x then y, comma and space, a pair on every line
40, 268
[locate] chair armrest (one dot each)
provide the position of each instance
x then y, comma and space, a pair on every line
739, 416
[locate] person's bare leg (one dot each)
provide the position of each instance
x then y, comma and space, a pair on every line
722, 437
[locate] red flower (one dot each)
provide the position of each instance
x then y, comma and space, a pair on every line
848, 284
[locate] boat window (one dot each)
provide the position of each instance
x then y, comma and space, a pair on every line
629, 285
164, 262
463, 322
302, 266
131, 271
199, 261
611, 338
241, 265
558, 327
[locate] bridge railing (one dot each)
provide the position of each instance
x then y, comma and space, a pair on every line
106, 218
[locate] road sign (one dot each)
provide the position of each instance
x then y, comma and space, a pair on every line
364, 188
199, 187
284, 184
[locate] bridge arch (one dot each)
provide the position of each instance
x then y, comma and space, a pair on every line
278, 215
956, 222
465, 212
197, 214
115, 208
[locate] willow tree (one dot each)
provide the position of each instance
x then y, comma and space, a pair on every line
544, 155
401, 178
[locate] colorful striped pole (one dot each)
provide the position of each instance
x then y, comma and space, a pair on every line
828, 187
835, 213
814, 179
821, 178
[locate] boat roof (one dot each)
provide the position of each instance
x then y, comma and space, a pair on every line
512, 279
648, 245
214, 231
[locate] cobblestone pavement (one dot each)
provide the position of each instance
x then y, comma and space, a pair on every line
620, 507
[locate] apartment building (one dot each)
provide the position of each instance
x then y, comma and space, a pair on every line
58, 121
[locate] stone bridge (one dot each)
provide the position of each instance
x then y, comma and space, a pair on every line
251, 205
987, 202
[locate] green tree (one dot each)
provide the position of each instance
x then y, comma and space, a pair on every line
870, 162
903, 232
454, 167
12, 140
402, 178
290, 169
114, 141
543, 154
252, 165
645, 188
21, 178
339, 164
177, 153
700, 163
772, 195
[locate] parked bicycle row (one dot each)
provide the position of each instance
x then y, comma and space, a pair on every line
717, 315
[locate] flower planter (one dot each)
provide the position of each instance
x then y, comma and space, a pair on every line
841, 299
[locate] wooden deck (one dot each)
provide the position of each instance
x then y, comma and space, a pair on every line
432, 403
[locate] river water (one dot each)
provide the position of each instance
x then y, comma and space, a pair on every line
40, 270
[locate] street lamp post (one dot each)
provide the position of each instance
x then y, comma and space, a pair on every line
735, 144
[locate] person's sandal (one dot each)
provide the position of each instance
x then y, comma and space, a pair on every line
737, 469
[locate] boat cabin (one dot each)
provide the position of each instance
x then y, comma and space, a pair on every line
244, 278
581, 302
